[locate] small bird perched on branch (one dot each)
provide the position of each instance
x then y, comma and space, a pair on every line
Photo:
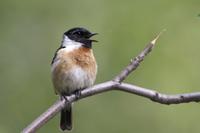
73, 68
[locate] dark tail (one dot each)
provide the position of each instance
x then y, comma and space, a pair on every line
66, 118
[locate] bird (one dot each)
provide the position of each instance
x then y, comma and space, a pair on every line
73, 68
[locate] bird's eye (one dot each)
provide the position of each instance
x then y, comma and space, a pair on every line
79, 33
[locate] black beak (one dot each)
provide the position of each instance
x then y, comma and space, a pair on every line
91, 35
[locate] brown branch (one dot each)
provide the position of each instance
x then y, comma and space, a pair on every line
107, 86
137, 60
159, 97
115, 84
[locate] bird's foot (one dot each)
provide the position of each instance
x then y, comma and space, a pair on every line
77, 94
65, 98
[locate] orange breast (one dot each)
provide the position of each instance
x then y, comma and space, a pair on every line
65, 74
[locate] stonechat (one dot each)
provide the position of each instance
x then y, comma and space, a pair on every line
73, 68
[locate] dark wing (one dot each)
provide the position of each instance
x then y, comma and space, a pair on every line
55, 55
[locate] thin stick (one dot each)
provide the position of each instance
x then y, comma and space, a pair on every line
137, 60
108, 86
52, 111
116, 84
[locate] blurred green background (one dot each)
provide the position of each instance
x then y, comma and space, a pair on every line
31, 31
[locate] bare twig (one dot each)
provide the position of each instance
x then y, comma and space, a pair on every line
107, 86
115, 84
137, 60
159, 97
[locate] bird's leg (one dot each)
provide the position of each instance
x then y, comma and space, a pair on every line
63, 96
78, 93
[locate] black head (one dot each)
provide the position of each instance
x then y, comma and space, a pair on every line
81, 35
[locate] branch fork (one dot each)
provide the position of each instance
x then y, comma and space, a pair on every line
116, 84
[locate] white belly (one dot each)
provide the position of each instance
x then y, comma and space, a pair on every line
76, 79
72, 80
